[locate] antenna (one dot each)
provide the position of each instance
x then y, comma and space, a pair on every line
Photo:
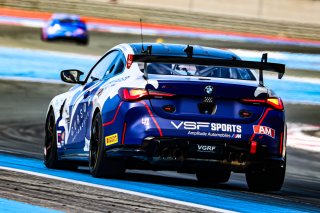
142, 49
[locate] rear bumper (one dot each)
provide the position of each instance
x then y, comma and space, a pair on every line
134, 122
135, 132
70, 36
182, 154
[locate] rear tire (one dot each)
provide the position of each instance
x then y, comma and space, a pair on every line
99, 164
210, 176
42, 37
269, 179
51, 160
50, 145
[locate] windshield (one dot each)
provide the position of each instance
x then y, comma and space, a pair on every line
198, 70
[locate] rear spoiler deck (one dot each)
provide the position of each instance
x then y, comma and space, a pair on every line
261, 66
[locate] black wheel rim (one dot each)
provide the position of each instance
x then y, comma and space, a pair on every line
94, 143
50, 136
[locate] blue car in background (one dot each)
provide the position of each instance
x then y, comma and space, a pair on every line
65, 27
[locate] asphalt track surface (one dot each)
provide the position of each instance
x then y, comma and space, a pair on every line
22, 114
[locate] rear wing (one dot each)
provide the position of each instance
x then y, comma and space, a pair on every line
261, 66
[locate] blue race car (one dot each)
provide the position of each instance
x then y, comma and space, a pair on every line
65, 27
174, 107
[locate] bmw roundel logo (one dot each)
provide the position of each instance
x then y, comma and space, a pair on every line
208, 90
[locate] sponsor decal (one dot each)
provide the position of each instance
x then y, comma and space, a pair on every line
264, 130
79, 121
111, 139
111, 83
212, 134
206, 148
145, 121
60, 138
206, 126
236, 135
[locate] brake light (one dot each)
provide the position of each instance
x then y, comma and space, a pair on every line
129, 61
275, 103
160, 94
254, 101
135, 94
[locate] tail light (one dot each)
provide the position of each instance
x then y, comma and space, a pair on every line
135, 94
275, 103
253, 147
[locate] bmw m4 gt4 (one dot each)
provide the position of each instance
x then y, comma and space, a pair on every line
173, 107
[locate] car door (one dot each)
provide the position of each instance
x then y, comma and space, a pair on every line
81, 106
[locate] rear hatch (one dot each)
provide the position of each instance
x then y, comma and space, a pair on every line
205, 99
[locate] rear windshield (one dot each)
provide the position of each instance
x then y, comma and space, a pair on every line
198, 70
70, 22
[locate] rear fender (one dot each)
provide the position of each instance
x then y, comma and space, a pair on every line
56, 104
95, 108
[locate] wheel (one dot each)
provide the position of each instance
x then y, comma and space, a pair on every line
42, 37
99, 164
268, 179
210, 176
50, 146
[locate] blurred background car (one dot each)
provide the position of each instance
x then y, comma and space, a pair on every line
65, 27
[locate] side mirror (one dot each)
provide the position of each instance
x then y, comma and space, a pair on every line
71, 76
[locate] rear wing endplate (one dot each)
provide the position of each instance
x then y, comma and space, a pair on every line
261, 66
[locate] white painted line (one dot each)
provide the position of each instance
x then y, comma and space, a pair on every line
298, 139
120, 190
